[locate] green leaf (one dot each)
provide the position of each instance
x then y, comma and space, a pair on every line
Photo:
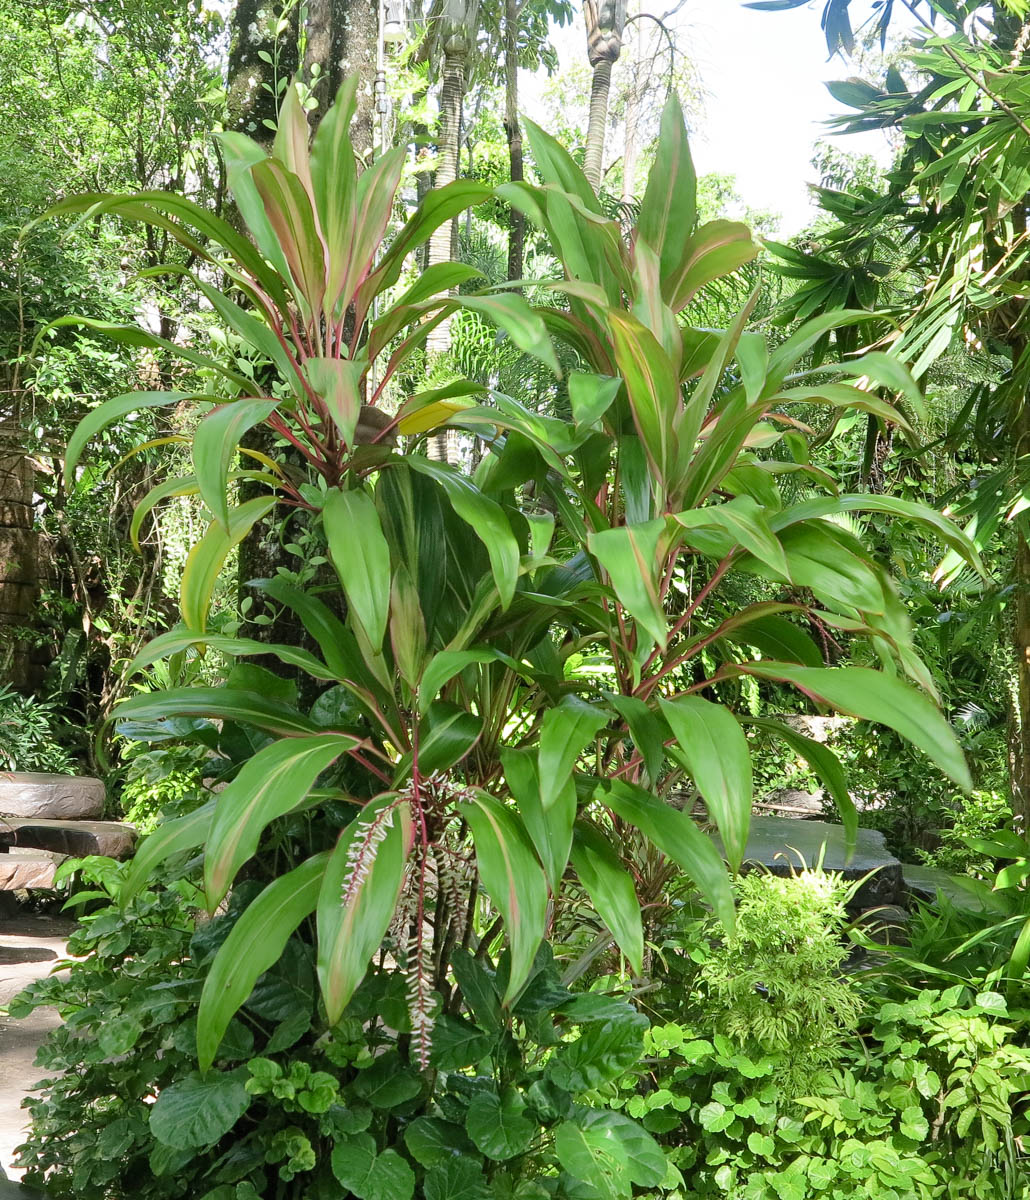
333, 638
833, 564
776, 638
271, 784
334, 181
455, 1179
205, 561
388, 1082
109, 412
361, 556
170, 838
437, 208
603, 1051
407, 628
565, 732
609, 1152
177, 640
370, 1175
893, 506
745, 521
485, 516
513, 879
289, 213
519, 321
478, 990
215, 442
883, 369
874, 696
219, 703
254, 944
648, 731
826, 765
446, 735
715, 1117
498, 1125
653, 387
629, 554
442, 669
716, 249
591, 396
550, 829
457, 1043
338, 382
241, 155
675, 834
431, 1140
611, 890
557, 166
199, 1110
713, 748
133, 335
359, 894
254, 332
668, 209
185, 485
164, 210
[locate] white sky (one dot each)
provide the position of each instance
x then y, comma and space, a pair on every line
764, 74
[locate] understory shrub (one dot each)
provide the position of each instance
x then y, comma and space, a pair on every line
775, 985
929, 1105
31, 735
293, 1109
163, 783
780, 1076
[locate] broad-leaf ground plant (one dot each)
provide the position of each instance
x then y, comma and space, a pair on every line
451, 775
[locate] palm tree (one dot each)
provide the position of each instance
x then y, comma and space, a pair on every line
605, 21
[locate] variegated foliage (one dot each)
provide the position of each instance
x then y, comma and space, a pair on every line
478, 762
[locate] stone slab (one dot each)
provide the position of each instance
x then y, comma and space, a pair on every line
925, 882
55, 797
781, 845
17, 872
76, 838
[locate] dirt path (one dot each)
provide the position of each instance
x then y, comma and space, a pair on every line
29, 945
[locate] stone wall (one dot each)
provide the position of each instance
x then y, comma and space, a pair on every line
19, 558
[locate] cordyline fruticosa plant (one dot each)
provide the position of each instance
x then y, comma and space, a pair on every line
475, 763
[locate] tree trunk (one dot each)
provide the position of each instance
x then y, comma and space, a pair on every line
452, 92
318, 34
600, 87
513, 132
251, 97
354, 42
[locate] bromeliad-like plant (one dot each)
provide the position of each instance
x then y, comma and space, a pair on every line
480, 769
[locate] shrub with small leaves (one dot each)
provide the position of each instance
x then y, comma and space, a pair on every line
775, 985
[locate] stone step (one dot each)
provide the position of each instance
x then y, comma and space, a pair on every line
55, 797
26, 871
781, 845
925, 882
75, 838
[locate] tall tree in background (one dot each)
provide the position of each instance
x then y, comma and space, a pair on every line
95, 95
513, 132
605, 22
452, 37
